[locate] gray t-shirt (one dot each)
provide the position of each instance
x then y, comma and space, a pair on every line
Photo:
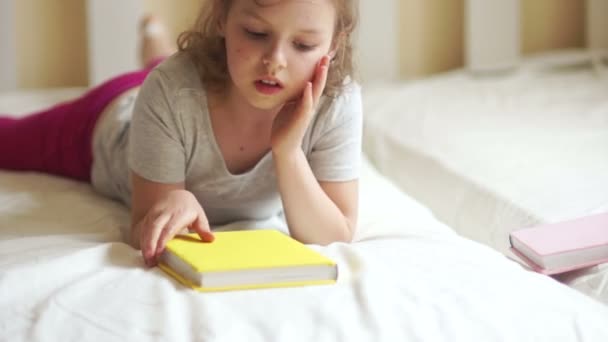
164, 134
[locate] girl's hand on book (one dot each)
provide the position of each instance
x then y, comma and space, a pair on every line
290, 124
177, 212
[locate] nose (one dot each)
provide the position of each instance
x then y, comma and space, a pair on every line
274, 60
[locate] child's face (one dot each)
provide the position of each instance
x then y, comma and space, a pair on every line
282, 42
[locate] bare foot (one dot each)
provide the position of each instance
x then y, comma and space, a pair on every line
155, 42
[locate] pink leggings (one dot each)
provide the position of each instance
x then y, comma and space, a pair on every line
58, 140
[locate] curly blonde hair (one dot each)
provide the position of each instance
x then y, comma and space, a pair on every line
205, 45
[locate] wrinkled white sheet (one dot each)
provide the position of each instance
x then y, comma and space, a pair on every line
66, 275
491, 154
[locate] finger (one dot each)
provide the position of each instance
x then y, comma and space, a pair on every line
307, 100
320, 78
147, 239
151, 229
201, 226
173, 225
289, 107
165, 235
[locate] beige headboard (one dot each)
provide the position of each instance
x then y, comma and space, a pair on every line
433, 31
51, 36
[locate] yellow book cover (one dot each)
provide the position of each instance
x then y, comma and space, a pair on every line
245, 260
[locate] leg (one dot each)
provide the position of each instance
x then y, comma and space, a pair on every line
59, 140
155, 44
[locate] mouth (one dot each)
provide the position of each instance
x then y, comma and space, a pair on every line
268, 85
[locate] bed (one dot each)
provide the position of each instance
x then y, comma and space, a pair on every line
491, 153
65, 274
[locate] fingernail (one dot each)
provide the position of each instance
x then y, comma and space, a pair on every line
148, 259
325, 61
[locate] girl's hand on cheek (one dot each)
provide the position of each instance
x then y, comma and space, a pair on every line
173, 215
290, 124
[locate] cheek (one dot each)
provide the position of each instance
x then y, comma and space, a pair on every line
302, 72
239, 53
306, 67
242, 53
239, 63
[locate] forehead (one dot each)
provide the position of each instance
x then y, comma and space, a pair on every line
310, 13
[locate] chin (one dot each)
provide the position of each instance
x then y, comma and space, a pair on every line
267, 105
266, 102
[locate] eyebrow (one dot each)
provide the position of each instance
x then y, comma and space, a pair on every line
251, 13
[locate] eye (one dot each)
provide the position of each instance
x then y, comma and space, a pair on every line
303, 47
255, 34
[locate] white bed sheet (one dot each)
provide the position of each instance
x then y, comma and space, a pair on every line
66, 275
492, 154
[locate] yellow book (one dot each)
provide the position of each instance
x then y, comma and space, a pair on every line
245, 260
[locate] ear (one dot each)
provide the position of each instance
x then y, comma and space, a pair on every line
332, 53
335, 45
221, 27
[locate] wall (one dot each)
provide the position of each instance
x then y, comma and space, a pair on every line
51, 35
50, 44
431, 36
377, 59
177, 18
8, 60
552, 24
51, 38
109, 56
596, 25
433, 41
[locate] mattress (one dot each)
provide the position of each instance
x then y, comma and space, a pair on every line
489, 154
66, 274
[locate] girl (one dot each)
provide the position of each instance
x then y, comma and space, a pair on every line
255, 114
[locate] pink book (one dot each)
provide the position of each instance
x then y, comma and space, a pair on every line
564, 246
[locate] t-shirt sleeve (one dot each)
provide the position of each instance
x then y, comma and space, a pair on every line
336, 141
156, 150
